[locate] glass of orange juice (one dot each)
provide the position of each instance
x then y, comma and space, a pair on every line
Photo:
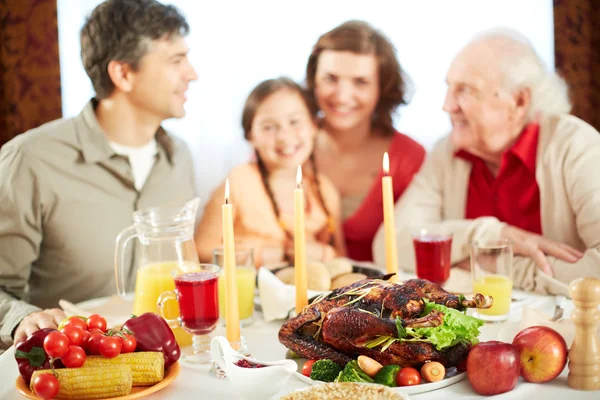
153, 279
245, 278
491, 270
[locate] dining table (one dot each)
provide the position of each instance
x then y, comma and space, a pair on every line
195, 382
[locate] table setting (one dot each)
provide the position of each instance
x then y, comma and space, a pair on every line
262, 338
238, 333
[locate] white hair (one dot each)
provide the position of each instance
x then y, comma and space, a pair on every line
523, 68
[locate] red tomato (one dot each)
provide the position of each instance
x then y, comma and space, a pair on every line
74, 357
96, 331
129, 344
46, 386
408, 376
74, 334
56, 344
86, 337
92, 344
78, 322
110, 346
307, 367
96, 321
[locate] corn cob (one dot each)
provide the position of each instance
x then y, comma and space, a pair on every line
147, 367
91, 383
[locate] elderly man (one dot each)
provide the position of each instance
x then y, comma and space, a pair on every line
516, 165
70, 186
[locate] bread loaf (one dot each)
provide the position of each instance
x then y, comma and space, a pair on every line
317, 276
346, 279
286, 275
339, 266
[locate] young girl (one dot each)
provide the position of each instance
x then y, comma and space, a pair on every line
281, 126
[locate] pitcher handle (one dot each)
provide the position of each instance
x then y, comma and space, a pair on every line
160, 308
122, 241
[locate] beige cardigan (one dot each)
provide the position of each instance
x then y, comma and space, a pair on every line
568, 176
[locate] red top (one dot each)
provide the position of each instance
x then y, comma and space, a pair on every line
513, 196
406, 157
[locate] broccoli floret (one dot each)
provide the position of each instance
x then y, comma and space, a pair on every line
387, 375
325, 370
353, 373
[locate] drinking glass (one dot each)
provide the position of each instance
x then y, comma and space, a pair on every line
432, 253
196, 293
491, 270
245, 279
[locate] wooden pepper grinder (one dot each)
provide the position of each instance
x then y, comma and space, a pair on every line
584, 356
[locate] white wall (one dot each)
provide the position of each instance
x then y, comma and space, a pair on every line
236, 44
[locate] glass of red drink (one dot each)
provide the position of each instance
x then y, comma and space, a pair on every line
432, 254
196, 292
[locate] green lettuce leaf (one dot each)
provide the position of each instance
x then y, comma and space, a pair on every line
457, 327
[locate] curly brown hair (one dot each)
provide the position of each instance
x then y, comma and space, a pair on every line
361, 38
121, 30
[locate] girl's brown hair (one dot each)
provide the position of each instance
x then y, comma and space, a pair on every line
361, 38
258, 95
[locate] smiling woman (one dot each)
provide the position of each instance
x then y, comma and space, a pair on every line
354, 78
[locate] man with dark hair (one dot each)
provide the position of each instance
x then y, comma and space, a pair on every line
69, 187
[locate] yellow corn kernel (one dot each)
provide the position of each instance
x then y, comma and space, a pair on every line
147, 367
91, 383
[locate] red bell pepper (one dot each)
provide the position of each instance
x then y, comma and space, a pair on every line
30, 354
154, 334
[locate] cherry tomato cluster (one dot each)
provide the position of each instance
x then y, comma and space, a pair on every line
79, 336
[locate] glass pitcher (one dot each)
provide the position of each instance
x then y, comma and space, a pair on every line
166, 237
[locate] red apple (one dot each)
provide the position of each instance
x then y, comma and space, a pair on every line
543, 353
493, 367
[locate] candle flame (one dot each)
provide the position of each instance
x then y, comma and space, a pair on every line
386, 163
227, 191
299, 176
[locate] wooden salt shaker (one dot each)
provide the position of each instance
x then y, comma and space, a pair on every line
584, 356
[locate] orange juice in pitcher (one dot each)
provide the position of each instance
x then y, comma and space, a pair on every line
166, 238
152, 280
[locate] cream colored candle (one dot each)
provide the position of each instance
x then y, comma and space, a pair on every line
232, 313
299, 245
391, 249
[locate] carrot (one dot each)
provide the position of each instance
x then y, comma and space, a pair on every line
433, 371
369, 366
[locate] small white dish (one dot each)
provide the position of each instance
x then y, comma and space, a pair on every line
251, 383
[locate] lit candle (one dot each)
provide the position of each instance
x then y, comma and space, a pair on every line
391, 251
232, 313
299, 245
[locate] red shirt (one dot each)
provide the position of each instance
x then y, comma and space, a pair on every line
513, 195
406, 157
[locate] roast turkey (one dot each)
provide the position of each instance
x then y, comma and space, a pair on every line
339, 324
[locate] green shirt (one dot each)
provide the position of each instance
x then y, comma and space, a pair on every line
64, 197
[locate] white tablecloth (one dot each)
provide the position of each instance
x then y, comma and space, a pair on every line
195, 383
